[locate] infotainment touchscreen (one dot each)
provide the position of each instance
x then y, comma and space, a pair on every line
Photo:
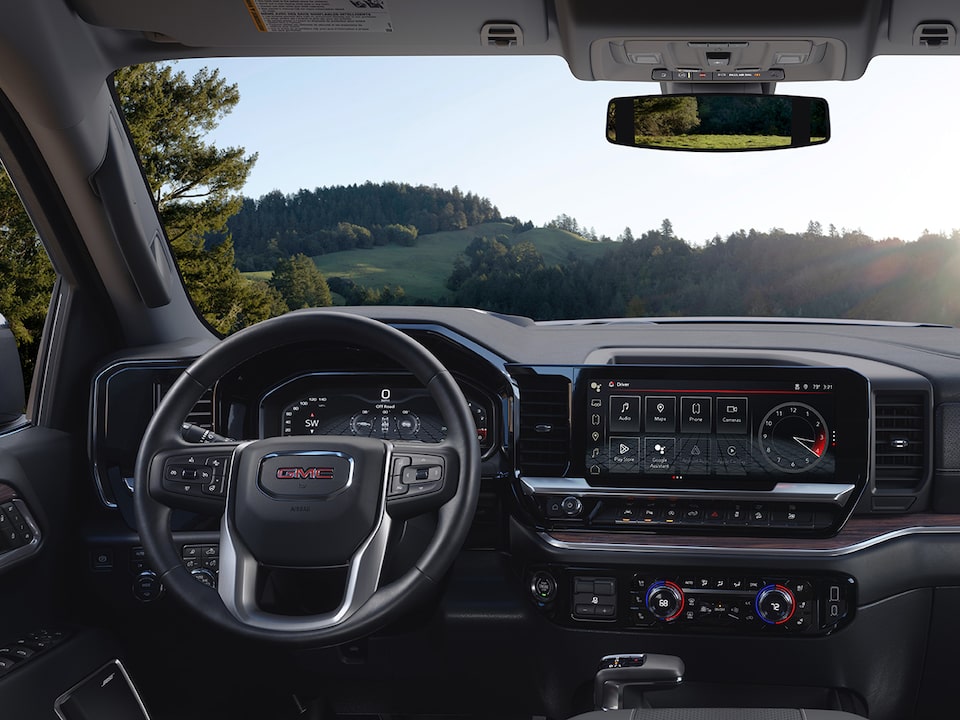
714, 426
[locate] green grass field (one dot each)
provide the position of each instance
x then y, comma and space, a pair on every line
422, 270
715, 142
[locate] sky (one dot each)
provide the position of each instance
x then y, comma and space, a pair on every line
529, 136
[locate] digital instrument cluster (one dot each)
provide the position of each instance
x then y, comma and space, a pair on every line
387, 407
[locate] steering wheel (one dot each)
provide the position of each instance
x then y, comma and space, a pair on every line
307, 501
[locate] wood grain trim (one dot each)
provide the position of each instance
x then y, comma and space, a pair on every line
857, 530
7, 493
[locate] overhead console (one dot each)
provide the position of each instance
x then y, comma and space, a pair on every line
751, 41
724, 449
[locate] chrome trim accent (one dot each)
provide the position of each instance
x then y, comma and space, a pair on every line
58, 703
782, 492
751, 552
238, 571
14, 556
24, 424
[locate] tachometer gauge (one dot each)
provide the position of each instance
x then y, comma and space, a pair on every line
793, 437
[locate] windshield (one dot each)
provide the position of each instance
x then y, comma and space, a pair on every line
489, 183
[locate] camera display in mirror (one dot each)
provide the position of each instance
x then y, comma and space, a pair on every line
718, 123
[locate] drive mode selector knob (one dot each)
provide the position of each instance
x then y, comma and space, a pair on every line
775, 604
665, 600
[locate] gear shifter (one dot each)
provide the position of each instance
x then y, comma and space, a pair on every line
649, 672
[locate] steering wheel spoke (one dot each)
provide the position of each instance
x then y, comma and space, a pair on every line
241, 574
192, 477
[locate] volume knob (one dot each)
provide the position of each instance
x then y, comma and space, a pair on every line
571, 506
775, 604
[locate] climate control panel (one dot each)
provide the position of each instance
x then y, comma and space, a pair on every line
730, 600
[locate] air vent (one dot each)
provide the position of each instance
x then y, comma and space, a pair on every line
935, 35
900, 442
501, 35
544, 443
202, 413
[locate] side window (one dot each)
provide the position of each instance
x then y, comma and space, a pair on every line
26, 282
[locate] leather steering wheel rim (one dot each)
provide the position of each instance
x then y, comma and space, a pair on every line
386, 602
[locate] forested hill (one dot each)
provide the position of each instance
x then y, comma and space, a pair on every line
774, 273
330, 219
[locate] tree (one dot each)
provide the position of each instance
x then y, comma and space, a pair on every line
227, 300
665, 115
26, 276
300, 283
194, 183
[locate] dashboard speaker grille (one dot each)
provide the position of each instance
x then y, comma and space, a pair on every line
900, 442
544, 443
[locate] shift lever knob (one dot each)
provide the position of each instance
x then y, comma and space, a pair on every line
618, 672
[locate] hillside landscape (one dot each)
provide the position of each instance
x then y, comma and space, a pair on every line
395, 243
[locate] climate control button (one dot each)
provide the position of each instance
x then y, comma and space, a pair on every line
775, 604
665, 600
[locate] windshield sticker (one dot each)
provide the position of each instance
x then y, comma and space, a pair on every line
292, 16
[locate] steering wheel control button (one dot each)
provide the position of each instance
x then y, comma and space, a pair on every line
665, 600
416, 475
190, 475
775, 604
422, 468
213, 475
312, 475
204, 577
595, 598
147, 587
215, 487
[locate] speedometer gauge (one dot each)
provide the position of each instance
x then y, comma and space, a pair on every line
793, 437
304, 417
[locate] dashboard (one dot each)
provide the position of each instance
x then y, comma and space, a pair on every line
660, 484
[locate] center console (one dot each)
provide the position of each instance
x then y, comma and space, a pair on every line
612, 455
765, 450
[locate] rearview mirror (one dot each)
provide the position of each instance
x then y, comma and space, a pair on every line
718, 123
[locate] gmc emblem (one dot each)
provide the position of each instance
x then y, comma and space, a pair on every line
300, 473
